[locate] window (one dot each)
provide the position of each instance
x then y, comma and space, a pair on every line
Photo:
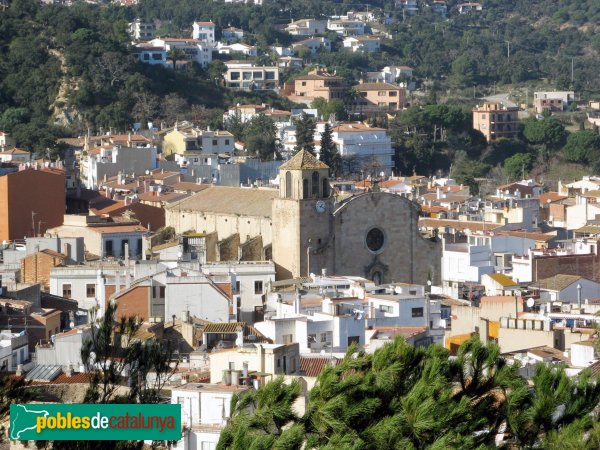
247, 75
304, 83
226, 141
288, 185
108, 248
325, 187
157, 57
375, 239
278, 363
258, 287
235, 75
146, 57
237, 287
161, 292
381, 94
125, 245
315, 184
139, 246
386, 308
269, 75
353, 340
215, 142
180, 400
257, 75
305, 188
412, 292
287, 339
66, 288
323, 337
90, 290
417, 312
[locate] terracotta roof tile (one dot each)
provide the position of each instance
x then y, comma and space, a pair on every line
303, 160
312, 366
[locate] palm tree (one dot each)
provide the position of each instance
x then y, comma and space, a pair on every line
175, 54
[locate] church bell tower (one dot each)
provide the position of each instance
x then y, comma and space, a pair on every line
302, 230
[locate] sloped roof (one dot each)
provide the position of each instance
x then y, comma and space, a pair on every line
377, 87
229, 200
304, 160
502, 279
312, 366
557, 282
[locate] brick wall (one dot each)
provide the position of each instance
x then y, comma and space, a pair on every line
36, 268
583, 265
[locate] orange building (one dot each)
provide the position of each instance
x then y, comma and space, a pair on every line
318, 83
31, 201
496, 121
380, 97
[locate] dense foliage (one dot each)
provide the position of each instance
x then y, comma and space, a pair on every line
404, 397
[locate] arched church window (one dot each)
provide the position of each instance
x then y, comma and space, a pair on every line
305, 188
315, 184
288, 185
377, 278
325, 187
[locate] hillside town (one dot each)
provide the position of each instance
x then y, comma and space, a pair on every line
279, 238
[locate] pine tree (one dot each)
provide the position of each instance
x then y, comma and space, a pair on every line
329, 153
305, 134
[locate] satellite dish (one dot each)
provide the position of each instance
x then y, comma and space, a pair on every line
72, 324
147, 172
179, 254
530, 302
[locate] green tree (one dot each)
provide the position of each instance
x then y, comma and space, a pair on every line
582, 147
329, 153
175, 54
260, 137
547, 133
517, 165
305, 134
418, 398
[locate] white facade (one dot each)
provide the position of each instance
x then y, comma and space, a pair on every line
14, 155
109, 161
14, 350
196, 50
346, 27
141, 31
357, 139
579, 213
251, 280
313, 44
204, 31
365, 44
306, 27
248, 50
205, 411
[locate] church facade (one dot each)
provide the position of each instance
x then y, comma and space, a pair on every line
374, 235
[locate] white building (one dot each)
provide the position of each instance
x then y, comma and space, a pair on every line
197, 50
346, 27
370, 144
250, 280
306, 27
204, 31
245, 49
367, 44
141, 31
15, 155
205, 411
151, 54
14, 350
232, 34
314, 44
247, 76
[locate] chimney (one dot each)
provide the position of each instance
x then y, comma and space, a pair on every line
69, 371
127, 279
19, 371
297, 300
226, 379
235, 377
66, 249
245, 370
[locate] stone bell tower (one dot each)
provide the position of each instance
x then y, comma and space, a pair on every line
301, 217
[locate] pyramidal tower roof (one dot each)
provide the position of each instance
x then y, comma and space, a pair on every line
303, 160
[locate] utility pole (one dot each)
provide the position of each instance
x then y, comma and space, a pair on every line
507, 49
572, 69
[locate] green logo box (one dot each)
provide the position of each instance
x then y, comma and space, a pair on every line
114, 422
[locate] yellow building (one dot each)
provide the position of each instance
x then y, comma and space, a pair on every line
185, 140
496, 121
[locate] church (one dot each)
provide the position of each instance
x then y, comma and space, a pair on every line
305, 229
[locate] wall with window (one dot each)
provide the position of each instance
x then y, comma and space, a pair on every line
113, 244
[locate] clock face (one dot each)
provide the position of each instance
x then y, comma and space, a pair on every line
320, 206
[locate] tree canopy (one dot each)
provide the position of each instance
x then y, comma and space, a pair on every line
405, 397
